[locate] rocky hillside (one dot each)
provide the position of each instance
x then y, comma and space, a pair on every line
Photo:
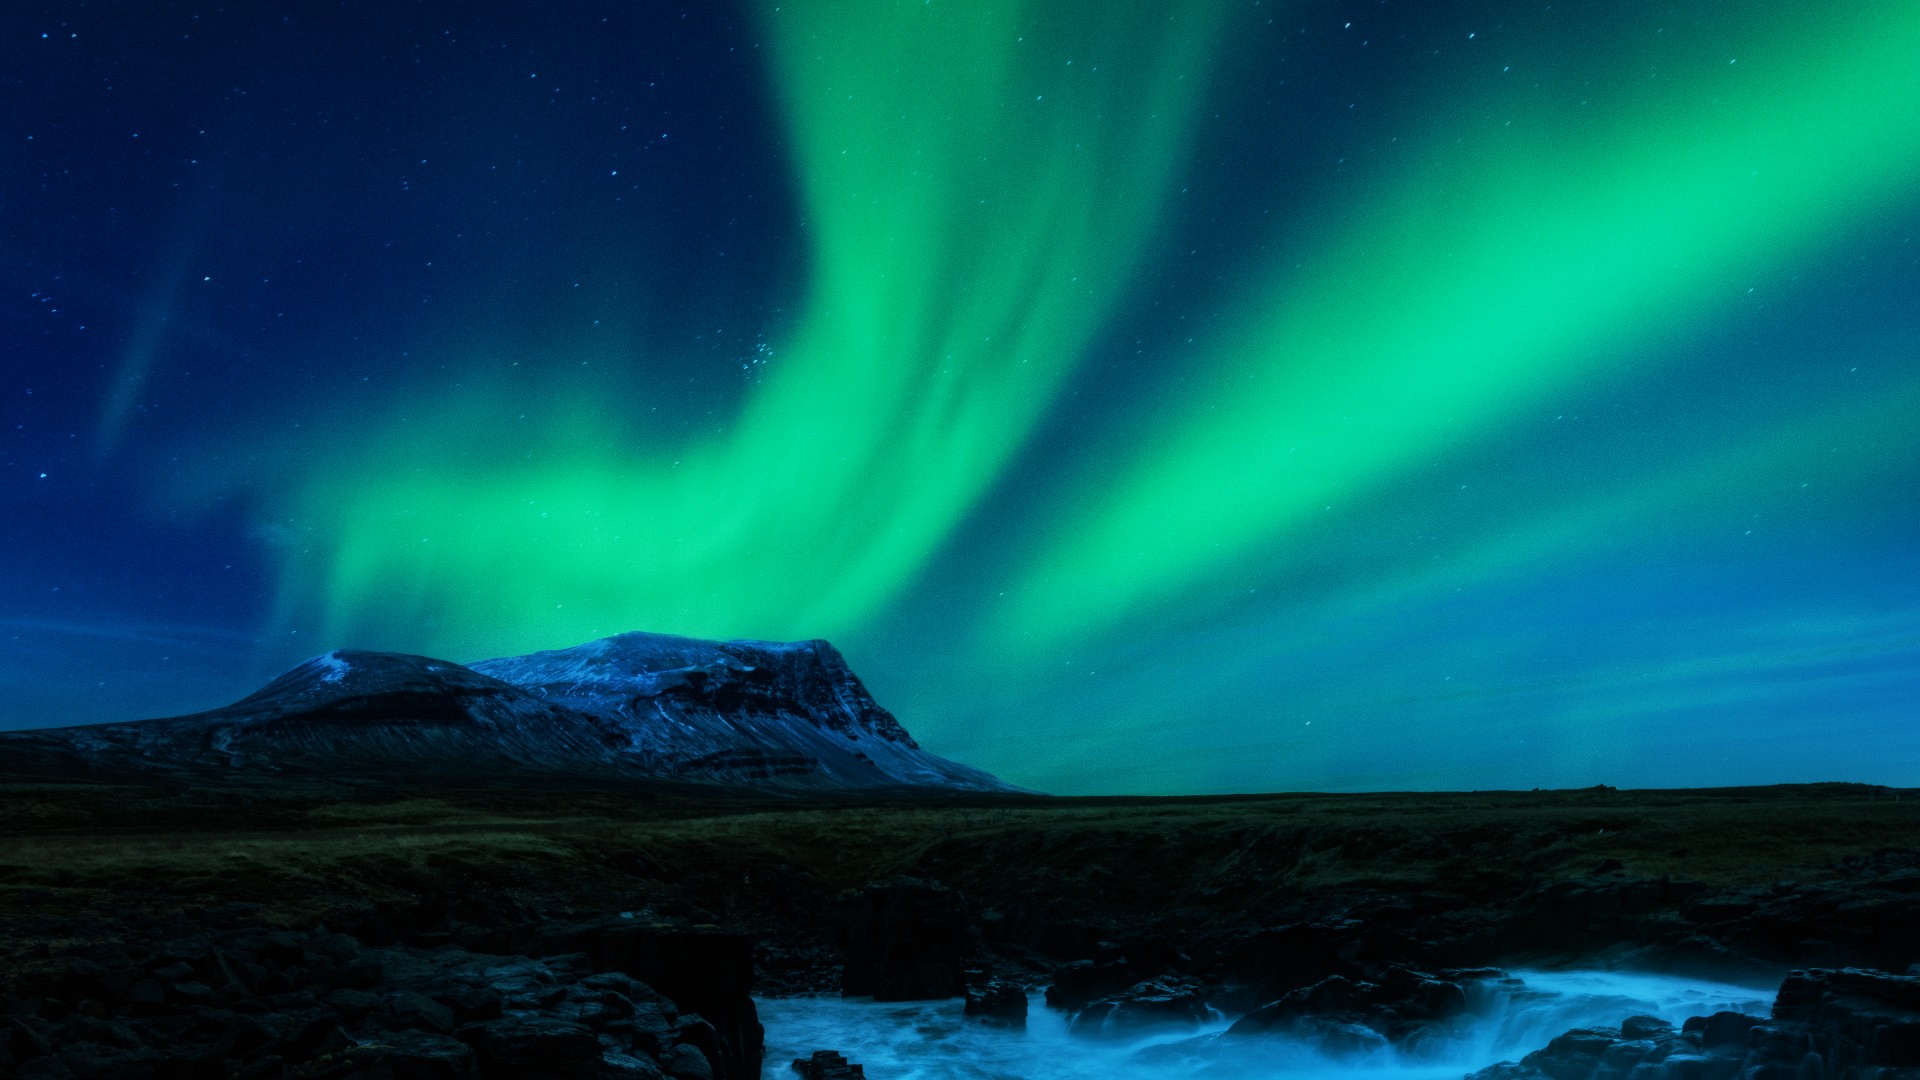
742, 712
637, 707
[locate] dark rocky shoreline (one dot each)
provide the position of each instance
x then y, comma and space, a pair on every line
636, 951
619, 998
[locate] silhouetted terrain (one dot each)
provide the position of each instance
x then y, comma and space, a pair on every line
1237, 901
633, 708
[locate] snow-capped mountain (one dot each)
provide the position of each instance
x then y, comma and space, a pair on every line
791, 713
345, 713
749, 714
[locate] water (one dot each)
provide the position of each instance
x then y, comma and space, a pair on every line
933, 1041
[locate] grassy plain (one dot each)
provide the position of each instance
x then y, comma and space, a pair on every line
70, 851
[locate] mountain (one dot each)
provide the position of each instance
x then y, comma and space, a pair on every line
739, 714
738, 711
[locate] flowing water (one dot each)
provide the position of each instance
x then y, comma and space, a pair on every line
933, 1041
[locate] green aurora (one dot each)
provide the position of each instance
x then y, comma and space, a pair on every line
1161, 592
1481, 275
969, 236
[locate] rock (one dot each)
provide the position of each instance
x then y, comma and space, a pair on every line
1412, 1010
406, 1009
516, 1046
689, 1062
906, 941
91, 1061
1644, 1027
360, 973
999, 1003
105, 1032
470, 1003
1144, 1008
1338, 1038
352, 1004
1574, 1055
1846, 1024
262, 1068
145, 995
692, 1030
1857, 1020
413, 1055
24, 1037
706, 971
1723, 1028
618, 1065
651, 1028
1415, 995
828, 1065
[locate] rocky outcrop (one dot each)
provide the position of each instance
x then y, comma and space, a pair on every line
1862, 911
998, 1003
269, 1002
1114, 967
705, 971
1152, 1007
907, 941
1847, 1024
1404, 1008
1859, 1021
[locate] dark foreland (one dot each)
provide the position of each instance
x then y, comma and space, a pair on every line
304, 928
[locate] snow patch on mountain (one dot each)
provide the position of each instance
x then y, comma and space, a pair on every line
332, 665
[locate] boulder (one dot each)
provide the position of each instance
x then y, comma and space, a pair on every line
1338, 1038
619, 1065
1644, 1027
1858, 1020
1414, 1011
517, 1046
828, 1065
689, 1062
1723, 1028
1826, 1024
999, 1003
1144, 1008
413, 1055
702, 970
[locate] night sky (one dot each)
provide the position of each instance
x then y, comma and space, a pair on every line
1156, 397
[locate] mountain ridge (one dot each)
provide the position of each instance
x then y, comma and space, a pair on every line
753, 715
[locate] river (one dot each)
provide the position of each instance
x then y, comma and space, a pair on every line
934, 1041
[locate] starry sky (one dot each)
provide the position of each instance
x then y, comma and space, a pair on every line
1161, 397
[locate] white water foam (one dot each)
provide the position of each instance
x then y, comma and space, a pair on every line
934, 1041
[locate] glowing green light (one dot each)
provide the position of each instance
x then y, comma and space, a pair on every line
979, 180
1479, 277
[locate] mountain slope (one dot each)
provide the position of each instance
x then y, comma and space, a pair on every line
346, 712
757, 715
790, 713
